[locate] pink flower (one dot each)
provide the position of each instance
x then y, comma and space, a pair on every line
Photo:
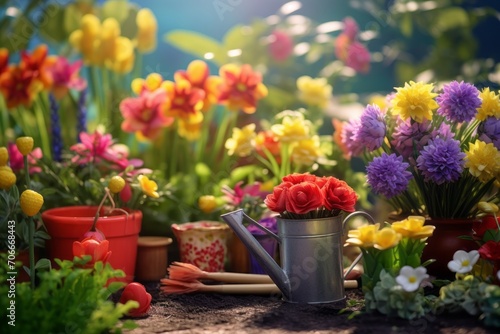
97, 148
235, 196
65, 76
358, 57
17, 162
144, 114
281, 45
350, 28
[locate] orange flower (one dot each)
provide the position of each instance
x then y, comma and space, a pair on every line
184, 100
98, 250
267, 140
241, 88
19, 86
38, 63
337, 138
198, 74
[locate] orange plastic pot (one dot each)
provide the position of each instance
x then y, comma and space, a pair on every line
68, 224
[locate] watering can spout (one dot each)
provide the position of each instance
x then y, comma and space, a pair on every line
235, 220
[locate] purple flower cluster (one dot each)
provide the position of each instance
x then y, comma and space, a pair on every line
458, 102
388, 175
489, 131
441, 160
371, 131
348, 135
409, 135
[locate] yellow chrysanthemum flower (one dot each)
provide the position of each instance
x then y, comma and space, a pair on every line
306, 152
413, 227
386, 238
146, 30
314, 92
483, 160
241, 142
414, 100
379, 100
207, 203
363, 236
293, 128
149, 187
490, 105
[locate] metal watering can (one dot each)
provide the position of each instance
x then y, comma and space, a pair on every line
310, 253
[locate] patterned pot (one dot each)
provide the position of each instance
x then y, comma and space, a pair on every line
203, 244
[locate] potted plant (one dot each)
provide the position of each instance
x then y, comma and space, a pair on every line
432, 153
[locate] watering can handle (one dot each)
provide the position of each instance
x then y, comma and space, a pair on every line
346, 219
259, 226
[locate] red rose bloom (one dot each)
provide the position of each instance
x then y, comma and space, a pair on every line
338, 195
297, 178
304, 197
490, 251
277, 199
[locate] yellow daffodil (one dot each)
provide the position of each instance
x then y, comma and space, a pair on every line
149, 187
86, 38
490, 105
415, 100
306, 152
363, 236
482, 160
413, 227
293, 128
108, 47
147, 27
386, 238
207, 203
241, 143
190, 128
314, 92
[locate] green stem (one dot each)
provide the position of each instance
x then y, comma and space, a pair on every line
40, 119
31, 238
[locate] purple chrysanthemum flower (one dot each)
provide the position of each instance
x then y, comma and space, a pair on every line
441, 160
458, 102
371, 132
388, 175
489, 131
444, 132
349, 135
409, 135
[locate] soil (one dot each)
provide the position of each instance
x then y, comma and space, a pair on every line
221, 313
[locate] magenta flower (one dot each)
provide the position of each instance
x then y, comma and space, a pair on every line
280, 46
350, 28
66, 76
388, 175
144, 114
371, 131
17, 161
458, 102
358, 57
441, 160
236, 196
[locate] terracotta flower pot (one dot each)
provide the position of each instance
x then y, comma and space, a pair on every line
444, 242
152, 258
68, 224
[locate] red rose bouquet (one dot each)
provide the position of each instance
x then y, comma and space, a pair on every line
306, 196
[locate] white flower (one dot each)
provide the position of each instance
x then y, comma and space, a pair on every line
410, 278
463, 262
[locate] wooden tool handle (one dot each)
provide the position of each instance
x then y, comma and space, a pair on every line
242, 288
238, 278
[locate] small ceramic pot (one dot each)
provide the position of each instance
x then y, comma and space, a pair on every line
152, 258
203, 244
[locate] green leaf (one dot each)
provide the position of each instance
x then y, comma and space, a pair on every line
196, 44
447, 19
406, 25
43, 264
53, 18
280, 99
72, 17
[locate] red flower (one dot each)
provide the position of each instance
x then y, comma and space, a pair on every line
304, 197
277, 200
136, 291
297, 178
98, 250
338, 195
479, 227
490, 251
